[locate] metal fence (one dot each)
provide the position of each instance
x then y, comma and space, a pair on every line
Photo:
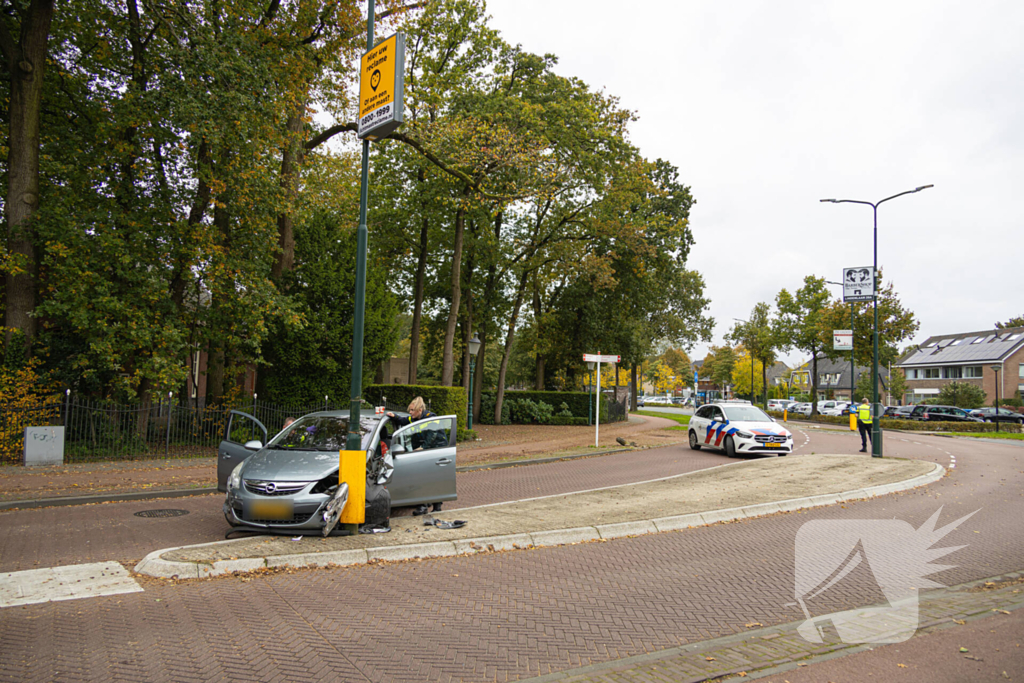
103, 431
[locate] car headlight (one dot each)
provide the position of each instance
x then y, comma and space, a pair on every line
744, 435
235, 479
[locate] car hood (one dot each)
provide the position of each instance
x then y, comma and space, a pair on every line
272, 464
761, 428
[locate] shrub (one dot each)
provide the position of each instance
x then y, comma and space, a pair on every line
440, 400
962, 395
526, 411
572, 404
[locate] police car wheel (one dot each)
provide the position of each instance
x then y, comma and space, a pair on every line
730, 447
693, 441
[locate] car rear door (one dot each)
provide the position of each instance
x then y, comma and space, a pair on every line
424, 453
241, 427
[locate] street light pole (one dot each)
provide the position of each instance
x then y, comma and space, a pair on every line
876, 432
474, 348
996, 369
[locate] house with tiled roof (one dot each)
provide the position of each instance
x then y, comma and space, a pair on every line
992, 359
834, 379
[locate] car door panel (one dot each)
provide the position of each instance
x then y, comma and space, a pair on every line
425, 455
231, 451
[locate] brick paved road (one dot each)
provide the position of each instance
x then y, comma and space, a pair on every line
110, 531
505, 616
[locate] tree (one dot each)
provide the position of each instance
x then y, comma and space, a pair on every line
799, 324
897, 385
1012, 322
741, 376
719, 364
896, 325
760, 336
25, 60
962, 395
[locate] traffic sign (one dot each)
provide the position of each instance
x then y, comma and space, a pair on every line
597, 358
842, 340
381, 86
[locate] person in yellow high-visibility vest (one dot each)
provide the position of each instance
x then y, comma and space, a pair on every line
864, 424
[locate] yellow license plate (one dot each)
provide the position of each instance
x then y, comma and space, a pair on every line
773, 445
270, 509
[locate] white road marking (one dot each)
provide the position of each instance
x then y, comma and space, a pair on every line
65, 583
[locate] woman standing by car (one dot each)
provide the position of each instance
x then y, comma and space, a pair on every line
417, 411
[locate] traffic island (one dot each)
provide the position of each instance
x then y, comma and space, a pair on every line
736, 490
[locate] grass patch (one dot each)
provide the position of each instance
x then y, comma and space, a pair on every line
990, 435
681, 419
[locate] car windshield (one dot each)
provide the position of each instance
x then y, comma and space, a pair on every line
746, 414
319, 433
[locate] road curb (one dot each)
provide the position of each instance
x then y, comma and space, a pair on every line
154, 564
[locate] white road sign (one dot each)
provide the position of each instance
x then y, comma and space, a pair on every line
859, 284
596, 358
842, 340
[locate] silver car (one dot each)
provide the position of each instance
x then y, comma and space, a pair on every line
287, 483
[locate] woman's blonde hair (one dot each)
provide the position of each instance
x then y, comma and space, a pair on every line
418, 405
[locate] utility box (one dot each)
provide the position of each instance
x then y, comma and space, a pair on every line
44, 446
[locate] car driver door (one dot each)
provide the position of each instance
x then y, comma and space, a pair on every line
424, 454
242, 428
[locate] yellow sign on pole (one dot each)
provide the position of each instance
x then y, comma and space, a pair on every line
353, 471
381, 86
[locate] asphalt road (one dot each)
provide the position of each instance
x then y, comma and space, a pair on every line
499, 616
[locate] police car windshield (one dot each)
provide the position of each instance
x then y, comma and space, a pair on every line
745, 414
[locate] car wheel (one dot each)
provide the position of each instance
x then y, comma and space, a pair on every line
730, 447
693, 441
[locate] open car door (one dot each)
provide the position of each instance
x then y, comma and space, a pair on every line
424, 454
242, 429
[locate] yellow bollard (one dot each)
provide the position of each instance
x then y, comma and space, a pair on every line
853, 422
352, 470
785, 415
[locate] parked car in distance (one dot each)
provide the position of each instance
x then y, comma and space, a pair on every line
990, 415
640, 401
837, 409
892, 412
738, 428
800, 409
287, 483
903, 412
941, 414
779, 404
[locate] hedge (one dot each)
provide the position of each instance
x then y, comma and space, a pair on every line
913, 425
440, 400
576, 402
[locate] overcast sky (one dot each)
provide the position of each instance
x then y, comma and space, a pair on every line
767, 107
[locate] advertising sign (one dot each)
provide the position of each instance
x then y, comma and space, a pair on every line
381, 85
859, 284
842, 340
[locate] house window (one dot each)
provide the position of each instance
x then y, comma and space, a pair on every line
972, 371
1020, 371
952, 372
932, 373
911, 373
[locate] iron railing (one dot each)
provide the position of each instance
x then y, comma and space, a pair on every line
102, 430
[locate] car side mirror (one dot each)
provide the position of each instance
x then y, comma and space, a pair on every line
253, 445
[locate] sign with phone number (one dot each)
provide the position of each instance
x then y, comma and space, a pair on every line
381, 86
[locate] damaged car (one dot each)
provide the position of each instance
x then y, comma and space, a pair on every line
290, 483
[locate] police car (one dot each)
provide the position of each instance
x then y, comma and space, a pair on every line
738, 428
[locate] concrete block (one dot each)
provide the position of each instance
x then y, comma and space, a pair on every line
624, 529
338, 557
678, 522
509, 542
761, 509
411, 552
726, 515
564, 536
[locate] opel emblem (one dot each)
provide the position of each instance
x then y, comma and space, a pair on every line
271, 487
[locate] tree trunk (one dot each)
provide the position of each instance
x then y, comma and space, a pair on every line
814, 382
417, 309
291, 158
537, 314
632, 375
467, 332
26, 64
509, 338
485, 318
448, 358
